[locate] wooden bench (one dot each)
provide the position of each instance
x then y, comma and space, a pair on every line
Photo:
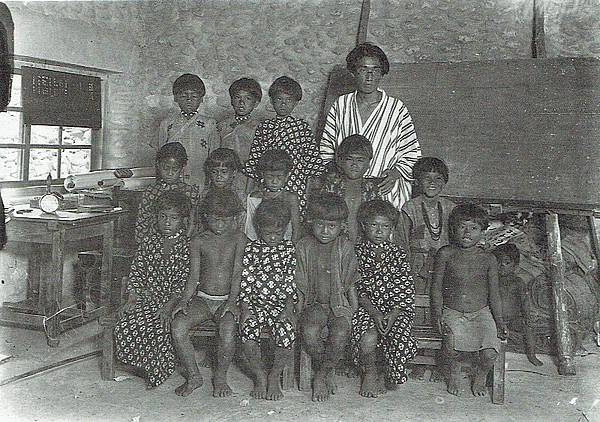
207, 329
427, 339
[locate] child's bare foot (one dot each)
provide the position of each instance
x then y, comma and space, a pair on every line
150, 387
532, 358
453, 379
370, 386
330, 381
220, 387
320, 388
260, 386
273, 388
381, 387
189, 385
418, 373
479, 388
436, 375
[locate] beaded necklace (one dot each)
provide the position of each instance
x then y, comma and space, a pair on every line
434, 230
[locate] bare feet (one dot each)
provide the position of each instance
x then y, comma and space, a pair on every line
189, 385
273, 388
418, 373
260, 386
453, 379
220, 387
381, 387
370, 385
532, 358
479, 388
320, 388
330, 381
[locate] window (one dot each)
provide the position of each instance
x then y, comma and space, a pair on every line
29, 151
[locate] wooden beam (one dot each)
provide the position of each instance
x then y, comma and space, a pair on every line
538, 45
594, 224
363, 22
557, 277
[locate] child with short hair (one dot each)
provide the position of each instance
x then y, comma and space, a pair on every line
170, 161
196, 131
347, 178
212, 289
222, 169
382, 342
290, 134
515, 298
464, 288
142, 333
273, 169
425, 219
326, 275
268, 296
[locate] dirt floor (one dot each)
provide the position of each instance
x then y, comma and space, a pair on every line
76, 392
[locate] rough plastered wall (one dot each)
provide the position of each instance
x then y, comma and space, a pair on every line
572, 28
413, 31
96, 34
222, 41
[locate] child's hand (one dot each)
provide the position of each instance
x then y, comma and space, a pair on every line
164, 315
502, 331
288, 314
380, 322
389, 181
390, 318
129, 305
181, 306
229, 307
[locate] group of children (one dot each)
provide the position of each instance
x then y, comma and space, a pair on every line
316, 255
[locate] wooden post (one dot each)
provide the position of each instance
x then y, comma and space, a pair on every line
594, 223
538, 45
557, 276
363, 22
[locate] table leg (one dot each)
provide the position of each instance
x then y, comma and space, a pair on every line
106, 281
54, 288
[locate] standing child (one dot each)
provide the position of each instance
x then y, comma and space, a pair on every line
381, 334
197, 132
156, 281
212, 289
464, 288
288, 133
222, 169
515, 297
267, 297
326, 275
170, 161
353, 158
273, 169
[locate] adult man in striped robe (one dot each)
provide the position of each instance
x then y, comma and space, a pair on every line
382, 119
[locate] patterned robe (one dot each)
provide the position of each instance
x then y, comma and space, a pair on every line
145, 224
387, 282
295, 137
267, 283
140, 338
390, 130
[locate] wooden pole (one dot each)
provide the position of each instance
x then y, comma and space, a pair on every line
363, 22
557, 277
538, 45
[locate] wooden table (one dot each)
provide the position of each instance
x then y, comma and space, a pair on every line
38, 228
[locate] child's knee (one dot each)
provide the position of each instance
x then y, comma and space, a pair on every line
488, 357
311, 333
180, 328
368, 342
227, 328
339, 329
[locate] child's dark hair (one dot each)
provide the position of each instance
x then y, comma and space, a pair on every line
286, 85
274, 160
429, 164
468, 212
221, 203
326, 206
189, 81
509, 250
272, 213
222, 157
172, 150
355, 144
377, 208
173, 200
248, 85
367, 50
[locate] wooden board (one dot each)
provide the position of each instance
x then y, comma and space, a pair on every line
524, 130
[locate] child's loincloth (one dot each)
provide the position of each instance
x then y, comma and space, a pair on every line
471, 331
212, 301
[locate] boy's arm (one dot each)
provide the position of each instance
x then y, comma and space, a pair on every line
494, 296
352, 297
193, 279
375, 313
296, 225
236, 276
437, 284
256, 150
163, 133
404, 231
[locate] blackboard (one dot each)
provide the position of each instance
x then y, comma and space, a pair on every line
524, 130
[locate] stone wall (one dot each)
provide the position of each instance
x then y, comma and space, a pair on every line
572, 28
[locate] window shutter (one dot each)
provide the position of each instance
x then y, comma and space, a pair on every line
61, 99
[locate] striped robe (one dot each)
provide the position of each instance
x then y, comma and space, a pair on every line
391, 131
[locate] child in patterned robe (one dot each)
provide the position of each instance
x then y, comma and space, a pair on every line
381, 334
170, 160
290, 134
268, 296
157, 278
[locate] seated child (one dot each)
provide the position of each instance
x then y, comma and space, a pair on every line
326, 274
515, 298
212, 289
464, 288
170, 161
273, 168
222, 169
142, 334
237, 131
381, 328
347, 179
291, 134
267, 297
197, 132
